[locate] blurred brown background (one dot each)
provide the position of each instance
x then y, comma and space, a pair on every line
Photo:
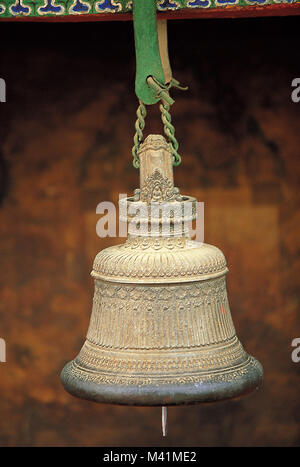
66, 136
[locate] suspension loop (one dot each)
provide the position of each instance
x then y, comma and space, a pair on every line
138, 137
170, 131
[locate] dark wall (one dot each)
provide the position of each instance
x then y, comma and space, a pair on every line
66, 136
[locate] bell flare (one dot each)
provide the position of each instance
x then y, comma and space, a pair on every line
161, 338
165, 394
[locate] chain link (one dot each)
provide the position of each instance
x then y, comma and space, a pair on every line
168, 129
137, 139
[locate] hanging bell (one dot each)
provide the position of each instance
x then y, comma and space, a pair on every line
161, 331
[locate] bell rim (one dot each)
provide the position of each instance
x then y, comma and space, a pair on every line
165, 394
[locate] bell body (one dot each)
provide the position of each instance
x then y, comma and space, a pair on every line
161, 331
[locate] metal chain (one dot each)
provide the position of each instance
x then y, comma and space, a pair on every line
170, 131
137, 139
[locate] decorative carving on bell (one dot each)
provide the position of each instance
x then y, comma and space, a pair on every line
161, 331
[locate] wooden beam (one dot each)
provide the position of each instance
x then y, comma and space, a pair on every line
222, 12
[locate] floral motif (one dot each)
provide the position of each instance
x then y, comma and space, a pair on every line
78, 7
49, 7
108, 6
168, 5
199, 3
19, 9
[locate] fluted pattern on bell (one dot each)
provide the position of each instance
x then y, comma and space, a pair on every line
160, 317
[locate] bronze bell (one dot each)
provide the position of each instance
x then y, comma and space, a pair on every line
161, 331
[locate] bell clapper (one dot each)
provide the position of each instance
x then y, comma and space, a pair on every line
164, 418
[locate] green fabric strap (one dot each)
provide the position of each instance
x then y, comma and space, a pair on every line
148, 60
